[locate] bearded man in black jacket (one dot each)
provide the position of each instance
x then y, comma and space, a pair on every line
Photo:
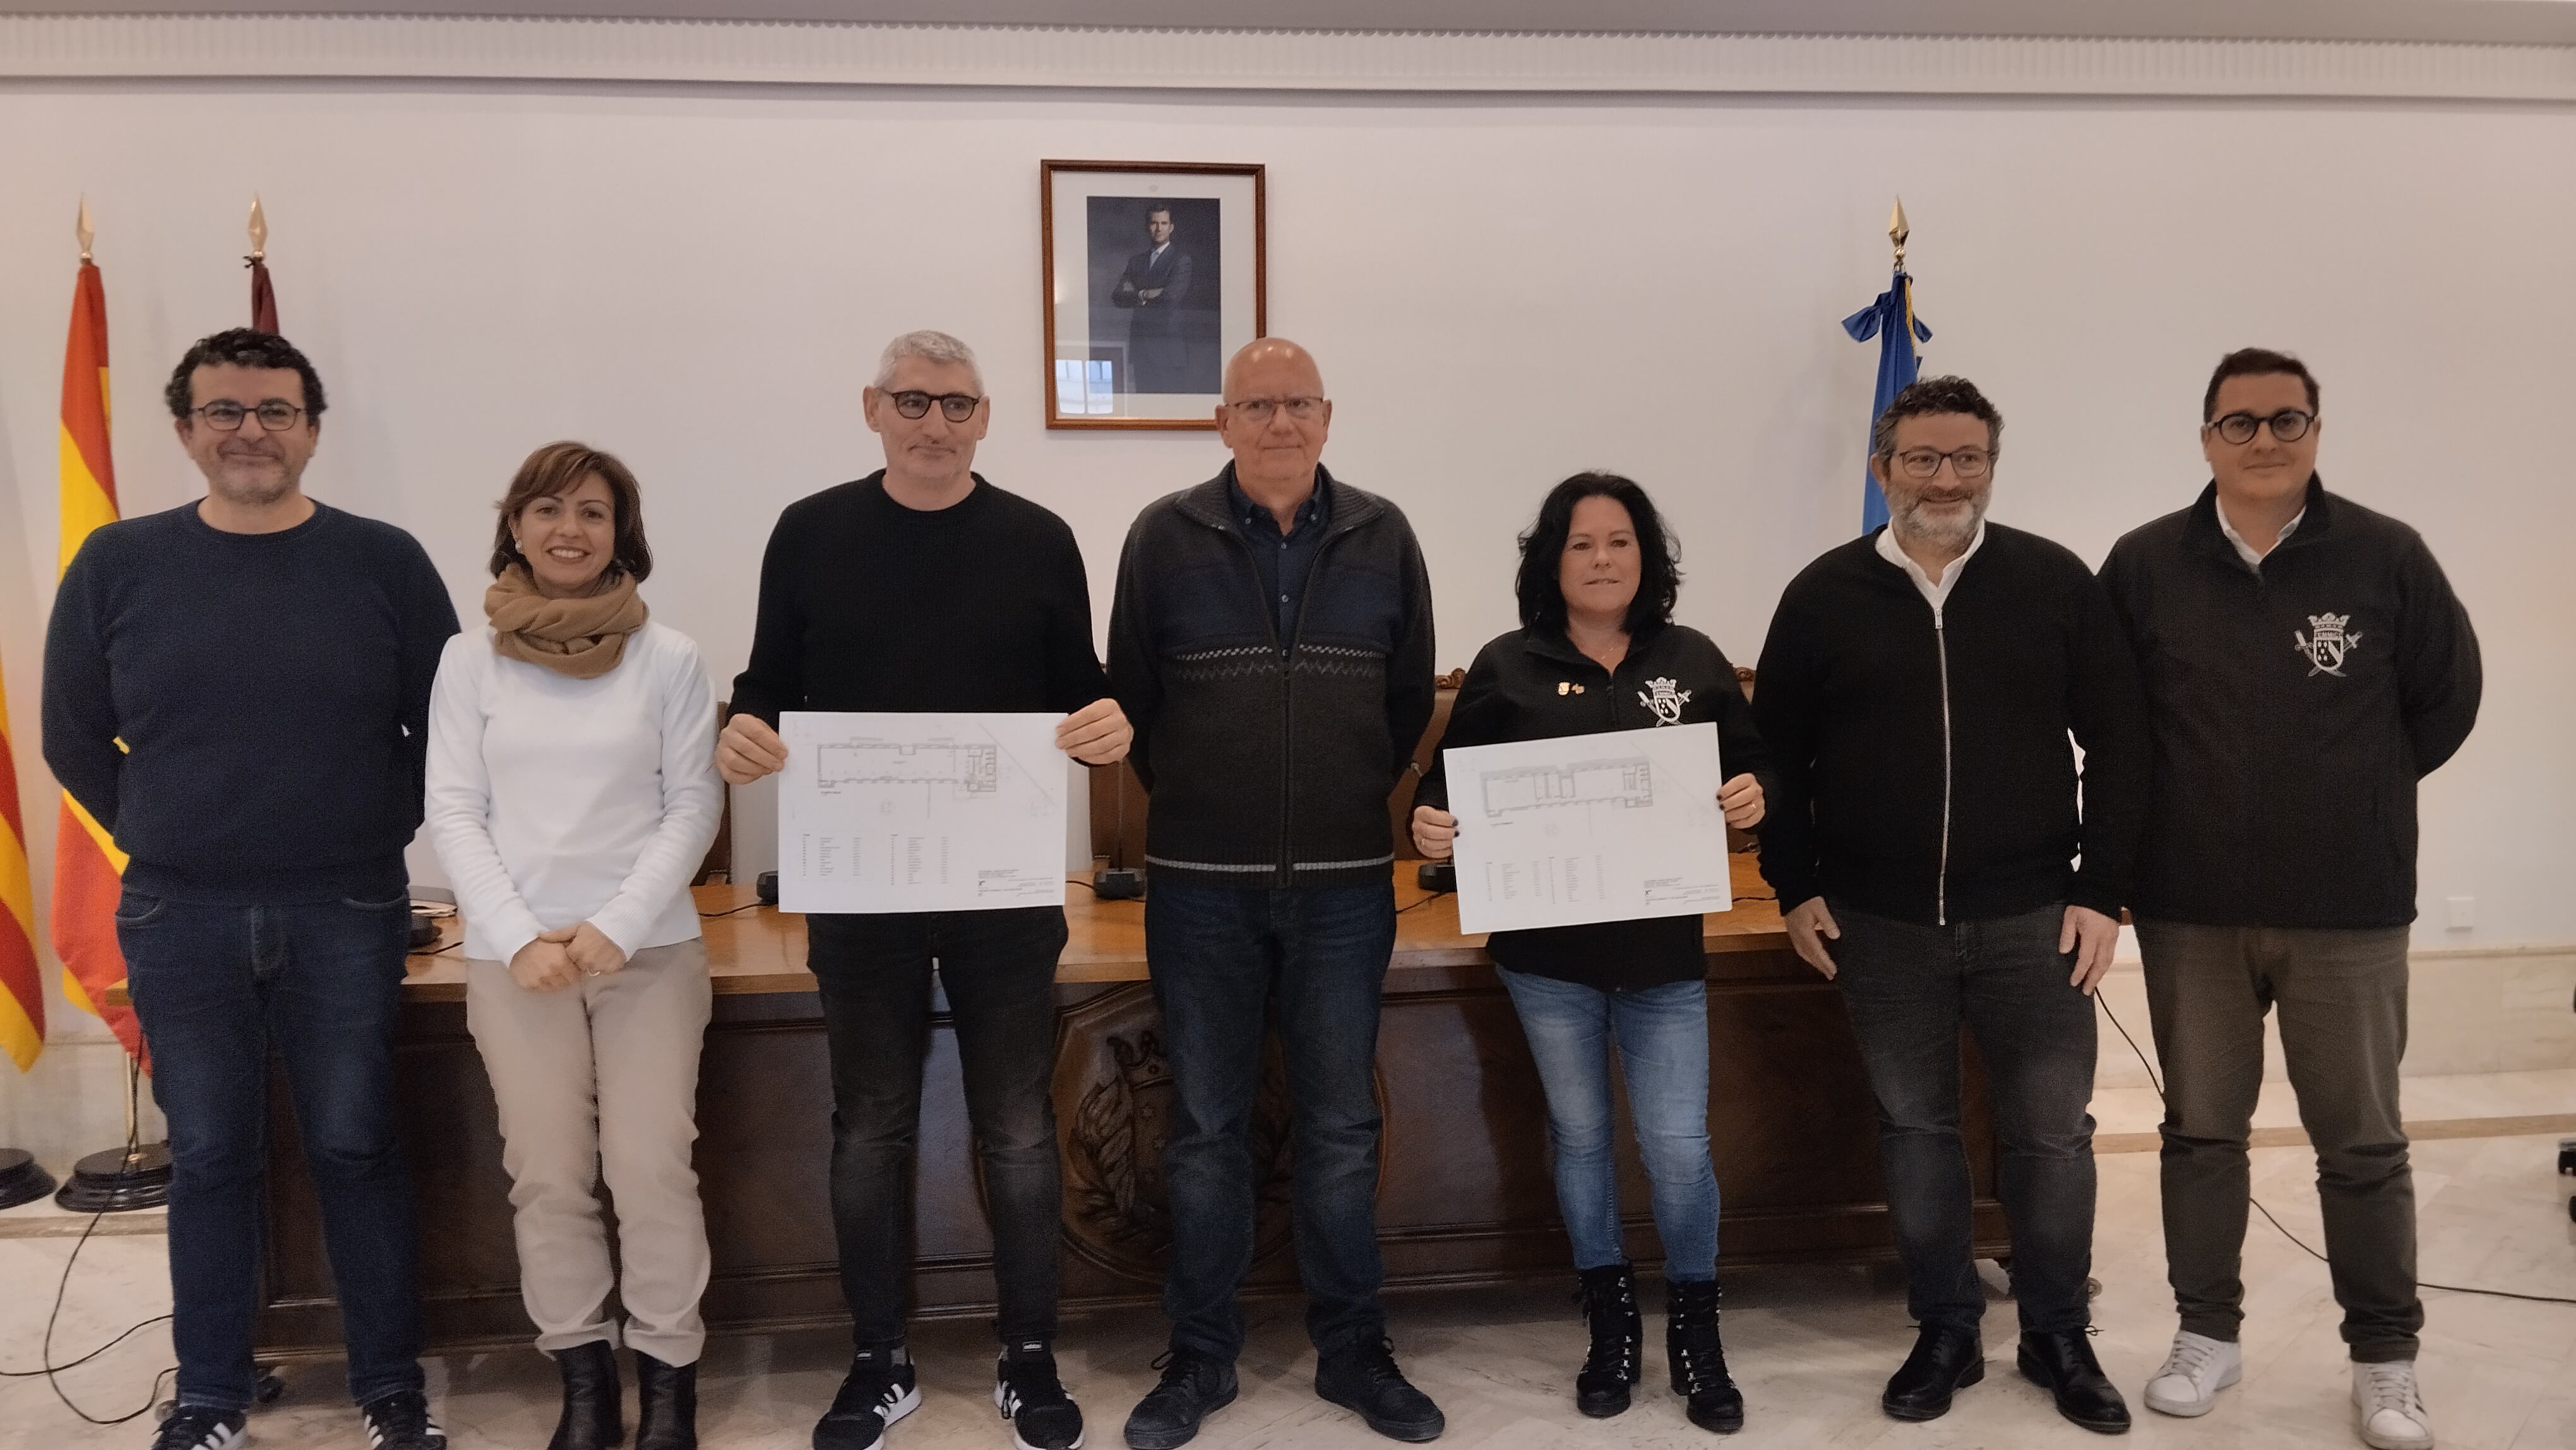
1917, 691
2305, 664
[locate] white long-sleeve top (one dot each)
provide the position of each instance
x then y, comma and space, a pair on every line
554, 801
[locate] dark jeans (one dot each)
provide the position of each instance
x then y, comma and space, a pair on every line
2342, 997
1222, 959
216, 989
1909, 988
997, 969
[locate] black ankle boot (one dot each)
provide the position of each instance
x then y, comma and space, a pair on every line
1698, 1357
1618, 1340
666, 1411
593, 1416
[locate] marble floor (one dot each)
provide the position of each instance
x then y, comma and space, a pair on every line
1809, 1345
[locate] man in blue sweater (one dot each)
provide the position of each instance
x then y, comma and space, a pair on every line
239, 689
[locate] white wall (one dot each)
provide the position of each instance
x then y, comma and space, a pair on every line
1500, 290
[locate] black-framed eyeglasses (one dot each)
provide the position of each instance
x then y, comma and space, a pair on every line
1260, 410
2289, 425
955, 407
1923, 463
225, 416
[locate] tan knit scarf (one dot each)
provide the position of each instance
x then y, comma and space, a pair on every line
583, 638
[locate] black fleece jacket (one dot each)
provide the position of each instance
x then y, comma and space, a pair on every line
1924, 768
1269, 759
1523, 686
2293, 709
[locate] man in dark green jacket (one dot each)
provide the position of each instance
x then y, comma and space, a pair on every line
2305, 664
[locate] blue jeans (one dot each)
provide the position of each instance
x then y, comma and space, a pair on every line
1220, 957
1909, 988
1662, 1038
217, 988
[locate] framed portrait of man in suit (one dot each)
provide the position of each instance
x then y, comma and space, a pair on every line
1153, 277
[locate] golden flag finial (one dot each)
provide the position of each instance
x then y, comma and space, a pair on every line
258, 229
1898, 231
83, 229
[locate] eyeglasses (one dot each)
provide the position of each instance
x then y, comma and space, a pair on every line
2289, 425
955, 407
1260, 410
226, 416
1921, 463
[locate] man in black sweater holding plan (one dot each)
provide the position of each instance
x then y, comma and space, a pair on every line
1917, 692
923, 588
238, 689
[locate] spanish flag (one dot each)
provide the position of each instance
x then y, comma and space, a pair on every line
88, 869
22, 992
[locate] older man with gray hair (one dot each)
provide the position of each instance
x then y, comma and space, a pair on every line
1272, 638
921, 587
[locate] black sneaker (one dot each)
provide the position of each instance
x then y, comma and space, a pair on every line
194, 1427
1027, 1392
879, 1390
1364, 1380
1194, 1386
400, 1421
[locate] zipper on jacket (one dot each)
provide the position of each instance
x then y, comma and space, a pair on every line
1287, 678
1288, 696
1941, 887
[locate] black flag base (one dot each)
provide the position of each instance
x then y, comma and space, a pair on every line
119, 1180
22, 1178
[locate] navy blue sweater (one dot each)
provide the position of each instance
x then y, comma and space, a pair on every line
272, 695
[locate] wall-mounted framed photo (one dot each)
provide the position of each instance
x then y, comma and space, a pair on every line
1154, 277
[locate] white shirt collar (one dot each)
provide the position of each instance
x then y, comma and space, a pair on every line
1935, 595
2244, 550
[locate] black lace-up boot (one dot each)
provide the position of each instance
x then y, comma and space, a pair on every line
1699, 1358
1618, 1341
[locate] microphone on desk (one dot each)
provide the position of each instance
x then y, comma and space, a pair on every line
1114, 882
1436, 876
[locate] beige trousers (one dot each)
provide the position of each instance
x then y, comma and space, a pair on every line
603, 1075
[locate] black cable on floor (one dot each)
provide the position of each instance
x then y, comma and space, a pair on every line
2158, 1084
62, 1287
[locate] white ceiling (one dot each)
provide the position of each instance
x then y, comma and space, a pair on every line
2506, 21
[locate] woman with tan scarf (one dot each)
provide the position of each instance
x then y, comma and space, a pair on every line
572, 794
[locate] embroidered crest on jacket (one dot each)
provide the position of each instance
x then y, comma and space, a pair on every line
1666, 701
2326, 649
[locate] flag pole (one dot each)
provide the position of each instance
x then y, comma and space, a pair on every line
1898, 231
137, 1175
22, 1178
263, 296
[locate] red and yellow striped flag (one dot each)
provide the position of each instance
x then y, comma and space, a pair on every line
22, 992
88, 869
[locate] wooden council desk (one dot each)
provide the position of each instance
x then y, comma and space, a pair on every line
1464, 1195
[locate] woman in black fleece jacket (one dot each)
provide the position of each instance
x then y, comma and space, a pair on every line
1598, 651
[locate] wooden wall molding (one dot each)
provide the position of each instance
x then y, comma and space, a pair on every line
276, 47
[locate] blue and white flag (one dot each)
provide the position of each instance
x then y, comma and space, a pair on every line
1891, 320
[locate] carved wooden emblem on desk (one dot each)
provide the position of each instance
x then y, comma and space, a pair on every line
1118, 1107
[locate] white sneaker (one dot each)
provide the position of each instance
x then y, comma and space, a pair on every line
2387, 1407
2194, 1373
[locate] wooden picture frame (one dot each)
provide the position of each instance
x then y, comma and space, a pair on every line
1139, 322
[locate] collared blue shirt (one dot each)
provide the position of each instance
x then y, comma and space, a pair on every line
1283, 561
